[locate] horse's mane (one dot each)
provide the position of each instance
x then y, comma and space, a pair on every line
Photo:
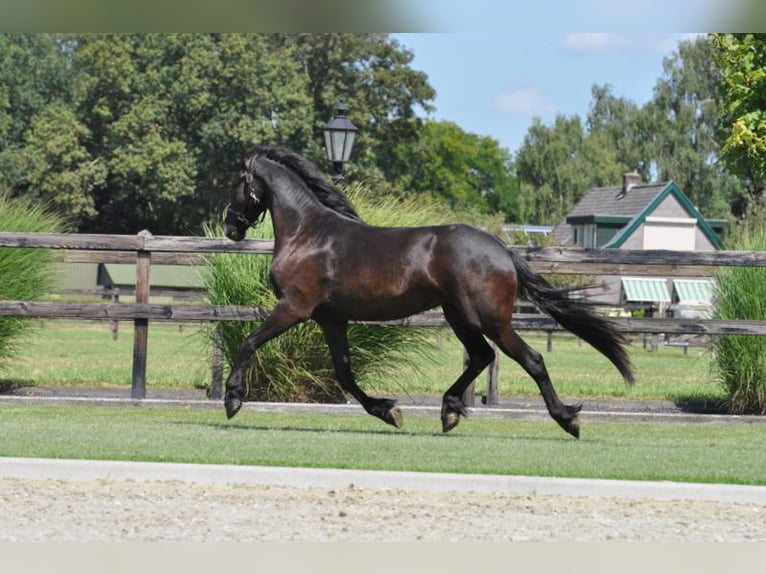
328, 194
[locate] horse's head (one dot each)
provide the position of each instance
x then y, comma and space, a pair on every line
245, 205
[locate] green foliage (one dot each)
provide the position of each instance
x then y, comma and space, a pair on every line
59, 168
26, 274
557, 165
296, 366
682, 120
371, 73
139, 131
741, 61
171, 113
467, 170
133, 131
740, 360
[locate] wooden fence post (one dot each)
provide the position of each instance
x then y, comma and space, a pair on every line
493, 376
141, 326
115, 324
216, 387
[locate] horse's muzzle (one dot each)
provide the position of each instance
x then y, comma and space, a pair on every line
233, 233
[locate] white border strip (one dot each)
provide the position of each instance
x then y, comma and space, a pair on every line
82, 470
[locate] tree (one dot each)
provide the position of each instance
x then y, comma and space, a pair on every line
683, 118
34, 74
557, 165
741, 62
171, 114
370, 73
467, 170
145, 130
59, 169
621, 125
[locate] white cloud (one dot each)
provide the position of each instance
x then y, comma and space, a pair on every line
601, 42
587, 42
526, 101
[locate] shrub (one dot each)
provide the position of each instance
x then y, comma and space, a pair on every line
296, 366
27, 274
739, 361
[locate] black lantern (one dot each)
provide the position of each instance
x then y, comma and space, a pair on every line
339, 135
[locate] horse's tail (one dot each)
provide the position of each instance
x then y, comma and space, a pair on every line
576, 316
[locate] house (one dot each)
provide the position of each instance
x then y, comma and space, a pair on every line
637, 215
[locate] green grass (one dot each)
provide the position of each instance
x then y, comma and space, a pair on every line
25, 274
70, 353
679, 452
577, 370
83, 353
740, 293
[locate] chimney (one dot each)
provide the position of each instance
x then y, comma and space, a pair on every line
629, 180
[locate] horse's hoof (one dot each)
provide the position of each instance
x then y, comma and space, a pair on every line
574, 428
449, 421
394, 417
232, 407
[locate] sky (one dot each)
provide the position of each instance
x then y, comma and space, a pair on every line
514, 61
494, 85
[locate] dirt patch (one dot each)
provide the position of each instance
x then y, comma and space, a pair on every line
49, 510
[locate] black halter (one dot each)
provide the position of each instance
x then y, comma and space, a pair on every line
249, 179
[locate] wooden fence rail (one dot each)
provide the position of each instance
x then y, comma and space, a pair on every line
203, 313
144, 249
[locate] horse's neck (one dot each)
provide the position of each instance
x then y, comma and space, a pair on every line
292, 213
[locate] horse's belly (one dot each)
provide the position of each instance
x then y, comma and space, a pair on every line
379, 308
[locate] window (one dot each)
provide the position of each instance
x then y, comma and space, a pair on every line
586, 235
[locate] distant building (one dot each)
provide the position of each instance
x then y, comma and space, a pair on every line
637, 215
168, 281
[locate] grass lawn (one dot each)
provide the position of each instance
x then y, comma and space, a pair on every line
718, 453
83, 353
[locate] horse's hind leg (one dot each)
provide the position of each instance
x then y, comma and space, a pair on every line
480, 355
532, 362
337, 340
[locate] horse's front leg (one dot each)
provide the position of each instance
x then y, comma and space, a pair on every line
277, 323
337, 339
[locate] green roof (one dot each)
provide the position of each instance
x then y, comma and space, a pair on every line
670, 189
160, 276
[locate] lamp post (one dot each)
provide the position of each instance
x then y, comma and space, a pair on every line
339, 135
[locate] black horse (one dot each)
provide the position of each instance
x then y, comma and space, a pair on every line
332, 267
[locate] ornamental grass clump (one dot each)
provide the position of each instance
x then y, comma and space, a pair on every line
296, 366
27, 274
739, 361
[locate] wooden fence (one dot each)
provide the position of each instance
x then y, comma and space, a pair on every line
144, 249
